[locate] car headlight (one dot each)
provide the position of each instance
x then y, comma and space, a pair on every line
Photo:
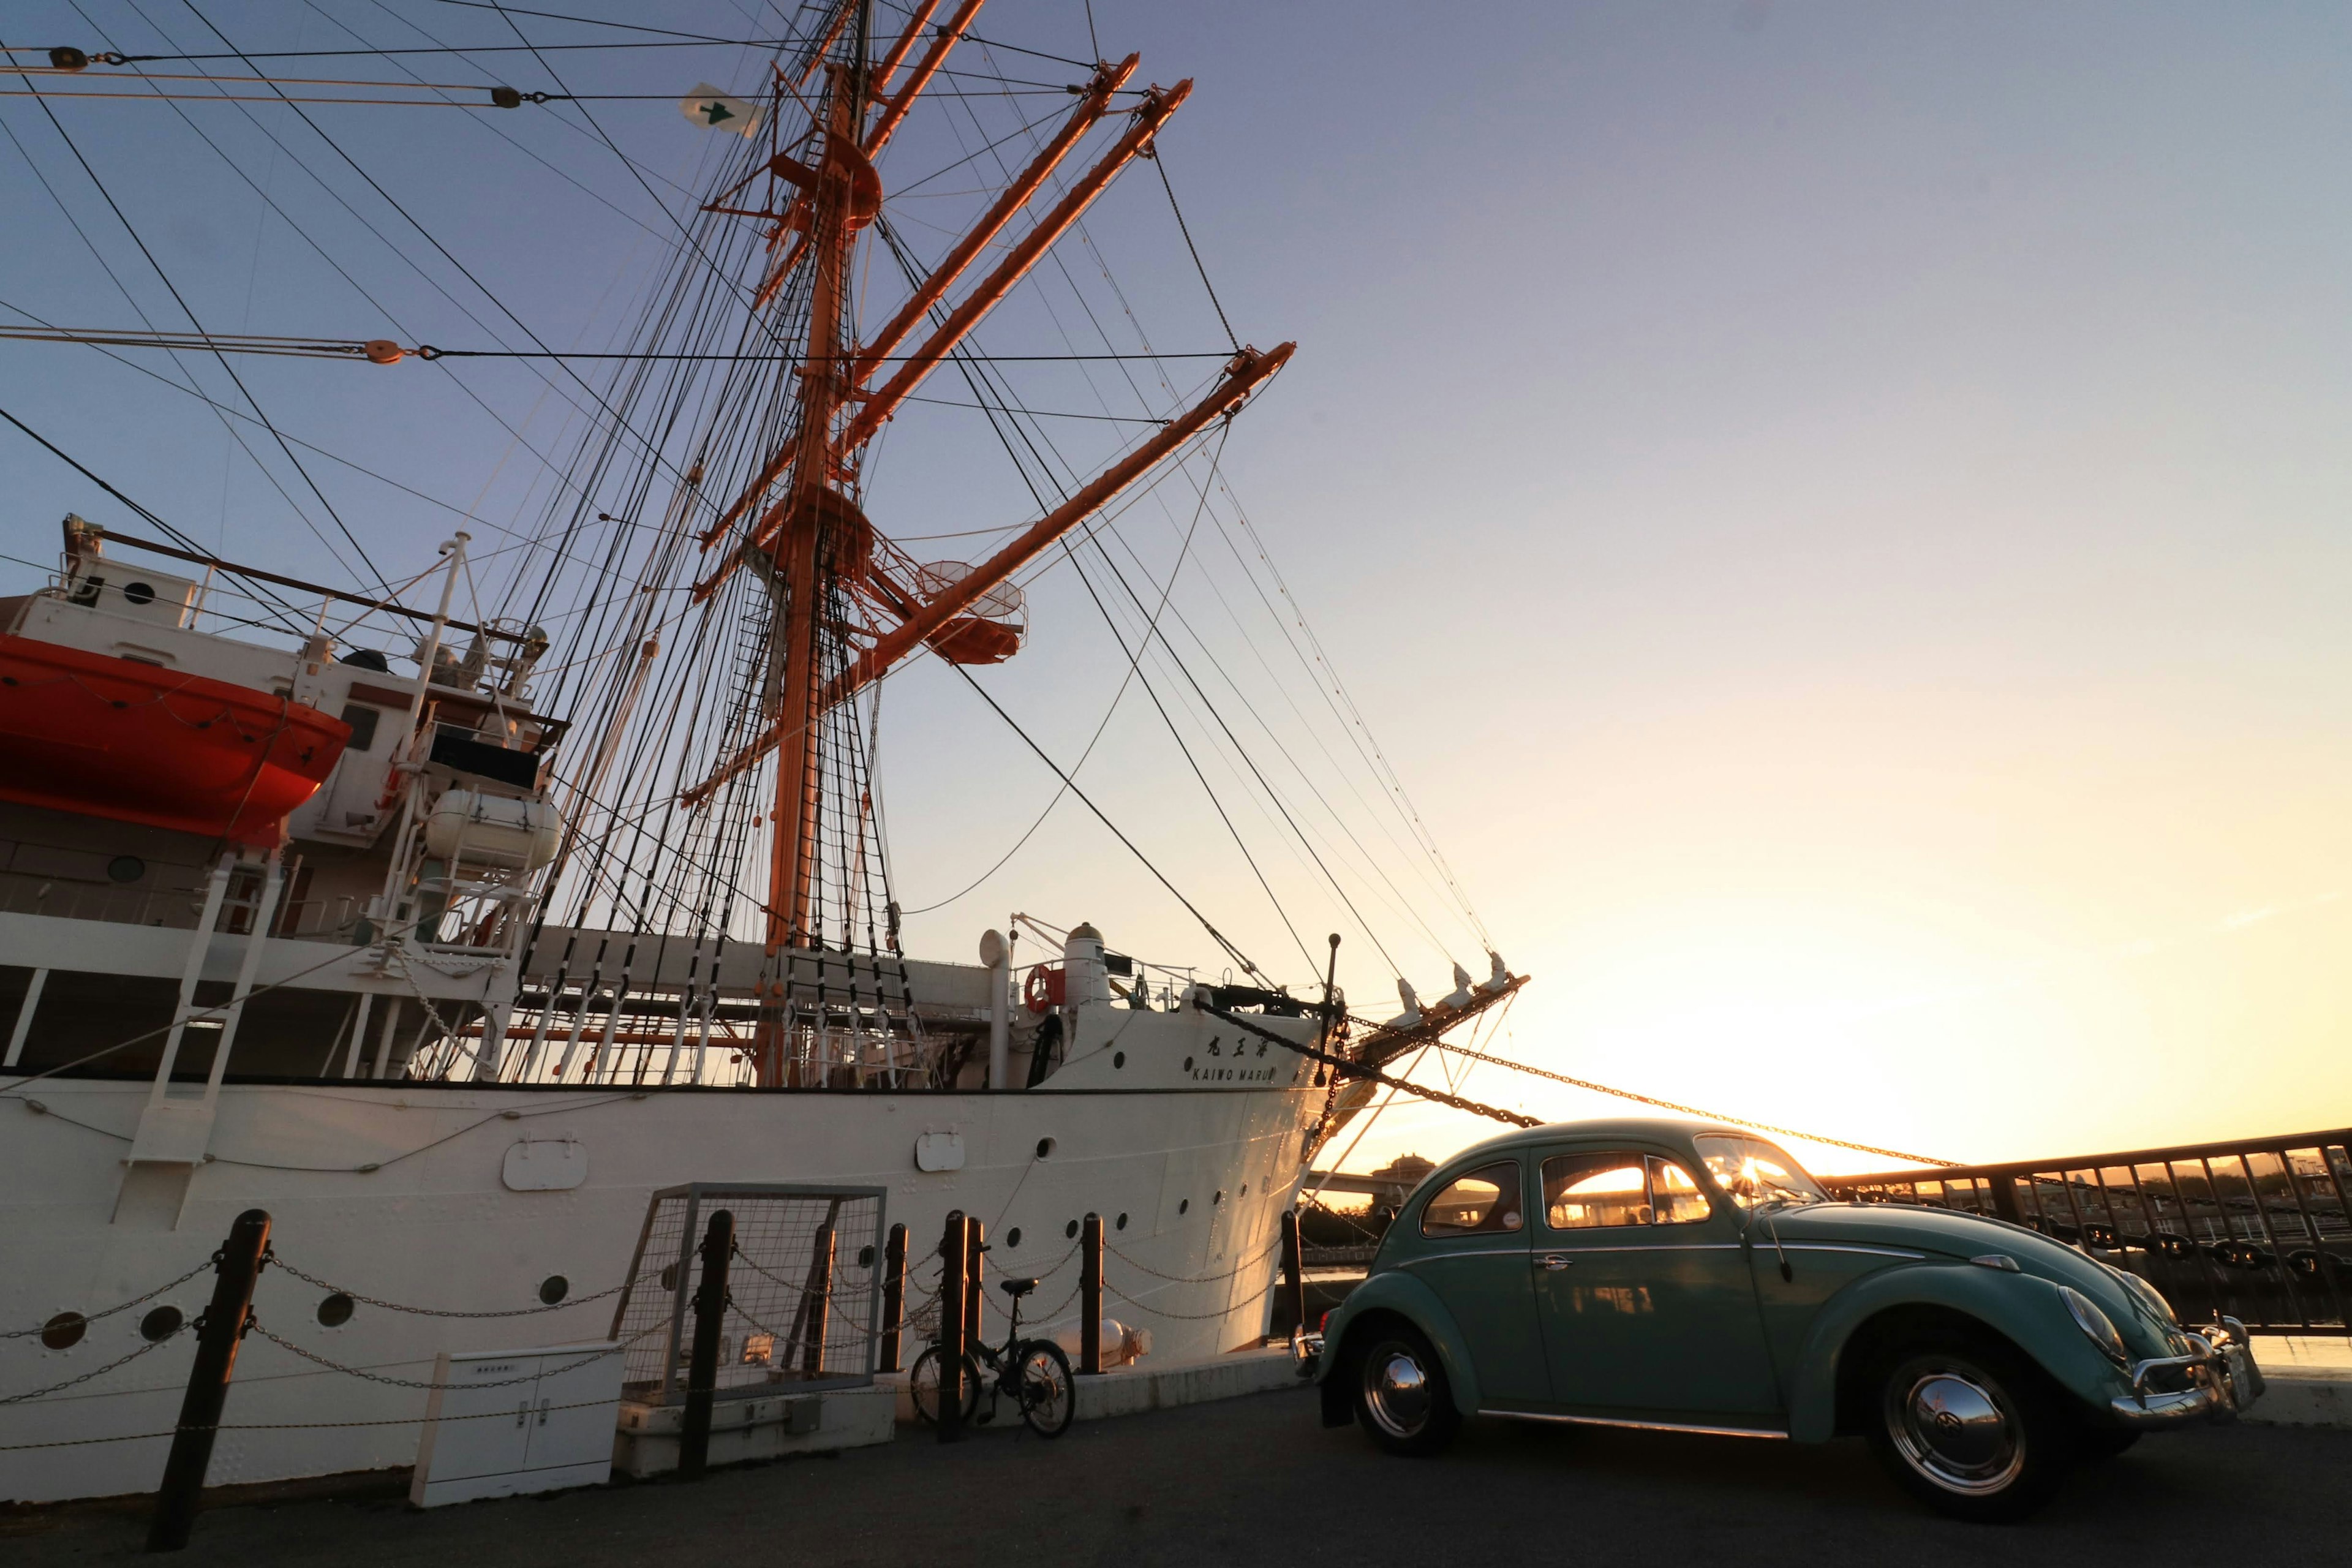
2096, 1325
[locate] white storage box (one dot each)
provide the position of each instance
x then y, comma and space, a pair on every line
532, 1420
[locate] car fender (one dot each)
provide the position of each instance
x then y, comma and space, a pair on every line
1398, 1291
2026, 1311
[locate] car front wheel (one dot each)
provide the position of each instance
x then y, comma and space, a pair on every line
1972, 1429
1401, 1397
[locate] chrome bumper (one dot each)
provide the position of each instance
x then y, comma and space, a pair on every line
1307, 1354
2223, 1376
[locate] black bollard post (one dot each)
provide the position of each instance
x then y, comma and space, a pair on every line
1290, 1306
975, 1276
702, 1371
820, 1301
894, 1295
1091, 1294
954, 1246
236, 1264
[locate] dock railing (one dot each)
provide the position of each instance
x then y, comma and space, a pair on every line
2257, 1229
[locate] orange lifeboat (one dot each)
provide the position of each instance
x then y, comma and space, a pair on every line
100, 736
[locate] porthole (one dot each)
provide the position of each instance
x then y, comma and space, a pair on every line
335, 1310
64, 1331
1070, 1230
1218, 1196
1045, 1147
1119, 1058
160, 1323
125, 869
1184, 1206
1188, 1064
138, 593
865, 1256
1013, 1237
1245, 1189
554, 1288
1122, 1222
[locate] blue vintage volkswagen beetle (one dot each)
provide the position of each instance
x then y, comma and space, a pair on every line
1692, 1276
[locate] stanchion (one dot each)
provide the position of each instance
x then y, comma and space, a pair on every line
975, 1276
1291, 1304
955, 1246
820, 1301
894, 1297
1090, 1295
218, 1332
702, 1371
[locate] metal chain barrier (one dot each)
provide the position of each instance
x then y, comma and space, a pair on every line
1272, 1248
272, 1258
1260, 1295
126, 1306
296, 1425
285, 1344
96, 1370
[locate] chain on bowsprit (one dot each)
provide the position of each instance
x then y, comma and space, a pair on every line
272, 1257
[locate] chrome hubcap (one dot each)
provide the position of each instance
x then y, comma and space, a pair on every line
1396, 1390
1953, 1427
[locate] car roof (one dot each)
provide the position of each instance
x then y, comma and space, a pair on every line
1672, 1130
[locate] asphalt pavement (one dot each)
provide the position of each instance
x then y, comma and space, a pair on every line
1259, 1480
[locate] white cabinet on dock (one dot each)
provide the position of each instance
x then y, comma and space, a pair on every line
518, 1421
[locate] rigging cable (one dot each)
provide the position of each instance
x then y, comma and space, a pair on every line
1086, 800
1686, 1109
1160, 164
108, 196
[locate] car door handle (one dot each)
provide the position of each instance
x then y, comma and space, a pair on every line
1553, 1262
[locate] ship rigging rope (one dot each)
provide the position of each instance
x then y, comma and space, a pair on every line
1347, 1067
239, 382
1686, 1109
1100, 815
251, 402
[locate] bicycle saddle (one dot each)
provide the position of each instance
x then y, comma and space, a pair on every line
1016, 1287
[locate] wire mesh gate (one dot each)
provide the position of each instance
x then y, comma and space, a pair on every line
2259, 1229
803, 1291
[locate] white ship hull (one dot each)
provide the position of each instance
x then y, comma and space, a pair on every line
1199, 1157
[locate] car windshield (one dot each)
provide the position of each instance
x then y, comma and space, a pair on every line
1756, 1174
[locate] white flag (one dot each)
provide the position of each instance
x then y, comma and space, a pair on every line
706, 105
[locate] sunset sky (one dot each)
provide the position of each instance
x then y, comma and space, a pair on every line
1836, 513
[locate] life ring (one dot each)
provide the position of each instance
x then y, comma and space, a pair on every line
1044, 989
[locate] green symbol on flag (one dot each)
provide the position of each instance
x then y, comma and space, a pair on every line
712, 114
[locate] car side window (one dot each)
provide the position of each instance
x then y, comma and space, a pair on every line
1596, 1191
1675, 1198
1592, 1192
1481, 1202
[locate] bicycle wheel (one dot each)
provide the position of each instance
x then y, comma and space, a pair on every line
923, 1387
1049, 1395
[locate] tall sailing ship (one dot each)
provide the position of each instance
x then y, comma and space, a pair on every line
449, 932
